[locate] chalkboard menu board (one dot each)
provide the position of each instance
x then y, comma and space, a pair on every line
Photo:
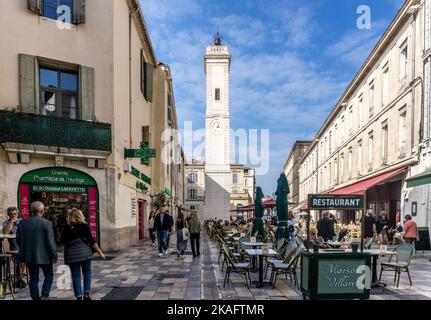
424, 243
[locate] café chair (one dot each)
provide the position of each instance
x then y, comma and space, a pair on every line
284, 258
405, 253
233, 266
6, 277
287, 268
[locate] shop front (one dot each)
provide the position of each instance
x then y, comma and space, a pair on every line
60, 189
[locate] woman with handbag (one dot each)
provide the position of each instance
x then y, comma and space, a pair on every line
182, 234
78, 252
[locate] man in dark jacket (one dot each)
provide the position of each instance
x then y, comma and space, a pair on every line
163, 226
325, 227
37, 248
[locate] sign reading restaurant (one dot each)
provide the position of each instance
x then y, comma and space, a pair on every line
335, 202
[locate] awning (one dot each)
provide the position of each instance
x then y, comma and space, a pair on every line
303, 206
419, 180
359, 188
269, 203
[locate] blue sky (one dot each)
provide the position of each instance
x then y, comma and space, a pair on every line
291, 60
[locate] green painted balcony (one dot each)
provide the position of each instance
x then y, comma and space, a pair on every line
39, 130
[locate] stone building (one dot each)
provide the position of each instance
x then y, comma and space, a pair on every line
291, 169
79, 102
243, 184
371, 140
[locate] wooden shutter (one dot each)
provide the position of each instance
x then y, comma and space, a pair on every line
28, 83
87, 99
35, 6
149, 69
78, 11
142, 73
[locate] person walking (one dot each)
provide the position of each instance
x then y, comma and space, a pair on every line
163, 227
325, 227
151, 230
182, 234
168, 240
410, 232
195, 234
78, 252
37, 248
369, 224
382, 227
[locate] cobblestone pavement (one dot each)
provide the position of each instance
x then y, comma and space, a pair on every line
139, 274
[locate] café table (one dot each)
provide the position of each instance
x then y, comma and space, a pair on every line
260, 254
5, 236
375, 253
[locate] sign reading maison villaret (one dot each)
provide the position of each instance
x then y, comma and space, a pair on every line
328, 202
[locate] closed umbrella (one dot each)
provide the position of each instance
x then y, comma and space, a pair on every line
281, 205
258, 213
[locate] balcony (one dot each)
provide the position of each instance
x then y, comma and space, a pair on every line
22, 131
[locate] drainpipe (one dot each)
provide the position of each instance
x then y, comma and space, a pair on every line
414, 87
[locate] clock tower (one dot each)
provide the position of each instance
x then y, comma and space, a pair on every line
218, 176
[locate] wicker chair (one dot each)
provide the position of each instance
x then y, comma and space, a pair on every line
405, 253
233, 266
287, 268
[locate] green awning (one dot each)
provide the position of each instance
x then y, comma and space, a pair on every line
168, 192
419, 180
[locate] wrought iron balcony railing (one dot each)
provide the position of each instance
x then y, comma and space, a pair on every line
24, 128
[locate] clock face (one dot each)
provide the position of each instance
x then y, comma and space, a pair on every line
217, 126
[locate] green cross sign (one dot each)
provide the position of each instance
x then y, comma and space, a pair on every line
145, 153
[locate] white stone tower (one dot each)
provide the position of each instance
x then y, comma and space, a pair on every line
218, 176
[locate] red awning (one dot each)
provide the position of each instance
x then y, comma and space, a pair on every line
359, 188
269, 203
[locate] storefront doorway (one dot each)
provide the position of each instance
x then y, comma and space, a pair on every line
60, 189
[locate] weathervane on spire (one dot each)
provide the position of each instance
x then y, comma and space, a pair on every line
217, 38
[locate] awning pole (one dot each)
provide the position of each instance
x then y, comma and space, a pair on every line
363, 222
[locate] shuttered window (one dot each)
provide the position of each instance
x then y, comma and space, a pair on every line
147, 70
53, 9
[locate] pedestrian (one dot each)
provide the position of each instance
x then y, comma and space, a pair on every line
37, 248
382, 228
325, 227
369, 224
410, 232
78, 252
195, 234
10, 226
151, 227
168, 240
291, 226
163, 227
182, 234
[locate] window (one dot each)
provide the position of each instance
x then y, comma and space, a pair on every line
235, 178
342, 167
427, 101
336, 136
350, 119
193, 177
330, 143
403, 65
385, 85
146, 78
360, 106
217, 94
402, 132
192, 194
359, 156
370, 150
246, 182
350, 164
385, 142
59, 93
343, 129
371, 105
192, 208
330, 175
146, 134
170, 119
50, 8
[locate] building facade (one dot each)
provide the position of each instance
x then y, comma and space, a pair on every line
372, 138
75, 95
291, 169
243, 185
